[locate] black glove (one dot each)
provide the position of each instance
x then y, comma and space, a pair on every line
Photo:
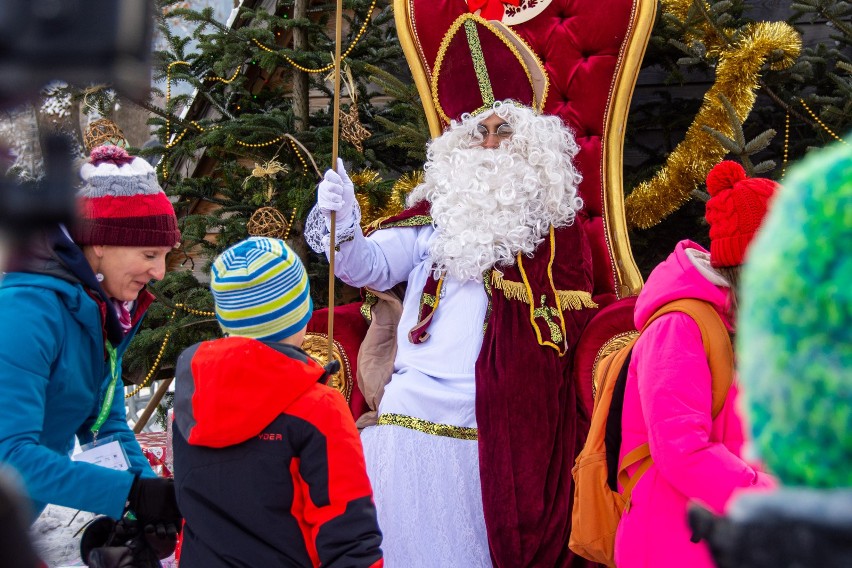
152, 500
111, 557
107, 543
786, 527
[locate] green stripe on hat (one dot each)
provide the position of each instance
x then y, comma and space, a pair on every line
261, 290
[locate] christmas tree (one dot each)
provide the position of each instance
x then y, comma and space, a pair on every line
243, 152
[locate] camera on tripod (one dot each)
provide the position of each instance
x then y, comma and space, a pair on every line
78, 42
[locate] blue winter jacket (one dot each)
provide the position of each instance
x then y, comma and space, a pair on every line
53, 379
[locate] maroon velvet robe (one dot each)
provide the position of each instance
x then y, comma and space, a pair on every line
526, 404
526, 411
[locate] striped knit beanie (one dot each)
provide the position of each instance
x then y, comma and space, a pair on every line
261, 290
122, 204
794, 333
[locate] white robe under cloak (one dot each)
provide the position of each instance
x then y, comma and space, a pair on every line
426, 486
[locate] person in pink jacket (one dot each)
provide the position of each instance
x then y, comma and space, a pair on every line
667, 402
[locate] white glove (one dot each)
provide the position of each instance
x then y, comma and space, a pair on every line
336, 192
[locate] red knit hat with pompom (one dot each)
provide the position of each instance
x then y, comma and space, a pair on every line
735, 211
122, 204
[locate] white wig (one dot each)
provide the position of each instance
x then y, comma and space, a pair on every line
489, 205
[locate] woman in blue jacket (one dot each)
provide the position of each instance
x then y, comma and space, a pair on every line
68, 308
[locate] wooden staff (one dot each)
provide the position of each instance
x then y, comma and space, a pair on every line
335, 131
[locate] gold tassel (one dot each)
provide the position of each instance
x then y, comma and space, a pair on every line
568, 299
575, 300
512, 290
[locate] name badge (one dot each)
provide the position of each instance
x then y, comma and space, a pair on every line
106, 452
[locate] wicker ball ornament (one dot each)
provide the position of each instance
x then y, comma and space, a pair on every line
269, 222
103, 131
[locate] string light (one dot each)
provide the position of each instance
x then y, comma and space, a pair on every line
786, 143
821, 123
299, 155
290, 224
171, 143
159, 357
330, 65
261, 144
226, 81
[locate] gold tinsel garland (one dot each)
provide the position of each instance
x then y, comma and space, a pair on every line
737, 75
396, 201
407, 182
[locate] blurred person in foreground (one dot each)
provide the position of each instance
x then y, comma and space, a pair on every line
795, 346
268, 465
668, 395
471, 455
18, 550
70, 304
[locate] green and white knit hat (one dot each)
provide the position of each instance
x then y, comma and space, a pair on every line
794, 333
261, 290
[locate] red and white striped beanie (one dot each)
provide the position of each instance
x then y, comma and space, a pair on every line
122, 204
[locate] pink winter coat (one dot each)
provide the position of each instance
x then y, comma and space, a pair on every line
667, 404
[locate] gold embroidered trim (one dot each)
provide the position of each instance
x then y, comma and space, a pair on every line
479, 66
486, 281
442, 53
613, 344
430, 300
547, 313
433, 428
575, 300
544, 309
414, 221
370, 300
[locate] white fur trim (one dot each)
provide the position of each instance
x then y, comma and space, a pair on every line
701, 261
138, 167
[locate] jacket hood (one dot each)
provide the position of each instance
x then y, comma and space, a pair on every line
679, 277
51, 252
230, 389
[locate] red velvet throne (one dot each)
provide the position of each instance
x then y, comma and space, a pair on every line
591, 50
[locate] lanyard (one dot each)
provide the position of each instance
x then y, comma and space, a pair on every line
110, 392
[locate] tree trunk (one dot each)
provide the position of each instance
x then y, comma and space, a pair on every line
301, 107
55, 117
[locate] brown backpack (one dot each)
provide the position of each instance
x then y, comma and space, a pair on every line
598, 505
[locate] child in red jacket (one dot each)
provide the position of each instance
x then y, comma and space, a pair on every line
268, 464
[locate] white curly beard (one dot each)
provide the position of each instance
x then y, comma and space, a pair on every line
489, 205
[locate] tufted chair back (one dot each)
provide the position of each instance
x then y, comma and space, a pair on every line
591, 50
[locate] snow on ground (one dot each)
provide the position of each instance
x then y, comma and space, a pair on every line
56, 535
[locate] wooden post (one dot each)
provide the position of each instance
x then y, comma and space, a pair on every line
152, 405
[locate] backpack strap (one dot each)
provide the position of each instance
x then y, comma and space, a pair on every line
642, 454
720, 358
716, 340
